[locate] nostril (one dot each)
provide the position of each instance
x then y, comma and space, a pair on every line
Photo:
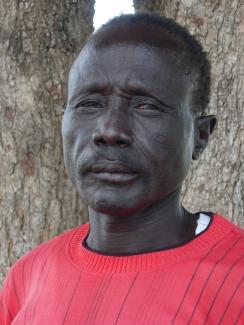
111, 137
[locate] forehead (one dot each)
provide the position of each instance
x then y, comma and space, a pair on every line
131, 66
125, 56
146, 42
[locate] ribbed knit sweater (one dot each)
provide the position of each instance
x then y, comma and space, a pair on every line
63, 282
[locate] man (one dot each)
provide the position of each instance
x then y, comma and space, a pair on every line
134, 121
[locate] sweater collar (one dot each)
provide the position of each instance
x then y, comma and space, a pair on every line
92, 261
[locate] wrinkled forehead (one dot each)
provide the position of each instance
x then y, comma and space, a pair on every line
128, 57
129, 61
135, 37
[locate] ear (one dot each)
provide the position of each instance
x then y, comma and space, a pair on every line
204, 126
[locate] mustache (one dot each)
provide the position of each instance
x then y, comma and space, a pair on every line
88, 160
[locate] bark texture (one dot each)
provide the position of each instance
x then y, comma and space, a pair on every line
217, 178
38, 42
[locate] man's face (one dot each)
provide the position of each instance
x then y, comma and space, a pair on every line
128, 130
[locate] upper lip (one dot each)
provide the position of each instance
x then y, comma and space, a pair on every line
111, 167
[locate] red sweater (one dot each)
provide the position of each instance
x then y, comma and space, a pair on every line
62, 282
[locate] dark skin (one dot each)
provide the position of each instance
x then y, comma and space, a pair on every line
129, 137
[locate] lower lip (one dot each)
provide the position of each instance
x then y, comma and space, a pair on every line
119, 178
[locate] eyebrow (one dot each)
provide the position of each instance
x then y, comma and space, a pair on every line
141, 91
94, 88
89, 88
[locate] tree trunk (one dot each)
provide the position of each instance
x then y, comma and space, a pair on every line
39, 40
216, 180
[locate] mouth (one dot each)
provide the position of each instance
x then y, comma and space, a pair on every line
112, 172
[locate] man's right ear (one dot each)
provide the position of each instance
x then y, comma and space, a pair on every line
204, 126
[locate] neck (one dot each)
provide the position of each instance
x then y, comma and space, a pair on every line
162, 225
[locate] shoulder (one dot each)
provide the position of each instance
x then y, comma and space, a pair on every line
226, 224
26, 273
221, 240
51, 249
228, 237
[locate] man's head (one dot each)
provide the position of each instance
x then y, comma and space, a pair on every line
162, 32
132, 124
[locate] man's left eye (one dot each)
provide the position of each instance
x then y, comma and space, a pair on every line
146, 107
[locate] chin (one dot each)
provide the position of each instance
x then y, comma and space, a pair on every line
110, 208
112, 205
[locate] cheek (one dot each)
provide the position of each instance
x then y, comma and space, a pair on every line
167, 145
184, 148
157, 137
76, 133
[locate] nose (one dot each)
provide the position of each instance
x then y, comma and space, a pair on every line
113, 129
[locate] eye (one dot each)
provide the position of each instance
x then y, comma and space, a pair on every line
146, 107
150, 109
89, 104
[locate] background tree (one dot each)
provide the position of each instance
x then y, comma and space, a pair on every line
38, 42
217, 180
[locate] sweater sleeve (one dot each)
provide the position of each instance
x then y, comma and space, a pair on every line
8, 300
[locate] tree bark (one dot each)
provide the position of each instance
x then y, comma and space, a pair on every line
216, 181
39, 39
